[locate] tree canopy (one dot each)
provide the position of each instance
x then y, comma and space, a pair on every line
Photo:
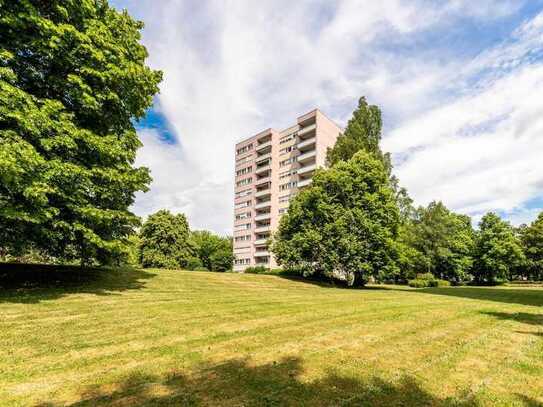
215, 252
165, 241
443, 239
344, 225
498, 250
363, 132
72, 81
532, 240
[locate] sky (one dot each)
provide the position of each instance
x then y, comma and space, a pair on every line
459, 82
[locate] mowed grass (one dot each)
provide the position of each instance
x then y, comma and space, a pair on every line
160, 337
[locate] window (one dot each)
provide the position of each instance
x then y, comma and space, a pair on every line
242, 262
287, 138
282, 210
245, 181
243, 193
242, 150
286, 150
244, 171
287, 161
243, 215
288, 185
243, 238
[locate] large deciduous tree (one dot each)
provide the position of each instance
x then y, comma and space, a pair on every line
344, 225
443, 240
215, 252
165, 241
498, 250
532, 240
72, 81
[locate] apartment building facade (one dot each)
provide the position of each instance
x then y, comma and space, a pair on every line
271, 167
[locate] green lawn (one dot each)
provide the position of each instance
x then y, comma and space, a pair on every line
195, 338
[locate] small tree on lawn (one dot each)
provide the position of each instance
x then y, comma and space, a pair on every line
165, 241
344, 225
497, 250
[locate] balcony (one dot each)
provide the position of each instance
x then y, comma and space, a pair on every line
261, 229
263, 216
261, 242
307, 156
263, 191
263, 180
307, 169
306, 143
263, 253
306, 130
263, 146
262, 205
263, 157
304, 183
264, 168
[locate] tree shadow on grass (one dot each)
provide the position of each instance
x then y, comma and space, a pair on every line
237, 383
327, 283
505, 295
522, 317
32, 283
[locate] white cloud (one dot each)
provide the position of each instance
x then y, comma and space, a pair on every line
233, 68
481, 151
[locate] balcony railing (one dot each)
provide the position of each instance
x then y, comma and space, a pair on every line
305, 182
263, 157
263, 192
307, 169
264, 168
261, 181
263, 216
265, 228
307, 156
263, 253
261, 242
306, 143
263, 204
306, 130
263, 146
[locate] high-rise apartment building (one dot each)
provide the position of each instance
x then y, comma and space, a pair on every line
270, 169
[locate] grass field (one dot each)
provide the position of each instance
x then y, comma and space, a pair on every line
136, 337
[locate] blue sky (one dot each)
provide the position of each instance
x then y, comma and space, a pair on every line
460, 84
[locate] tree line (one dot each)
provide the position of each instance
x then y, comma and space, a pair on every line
356, 224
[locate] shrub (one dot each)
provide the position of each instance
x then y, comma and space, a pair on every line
442, 283
194, 263
438, 283
419, 283
257, 270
